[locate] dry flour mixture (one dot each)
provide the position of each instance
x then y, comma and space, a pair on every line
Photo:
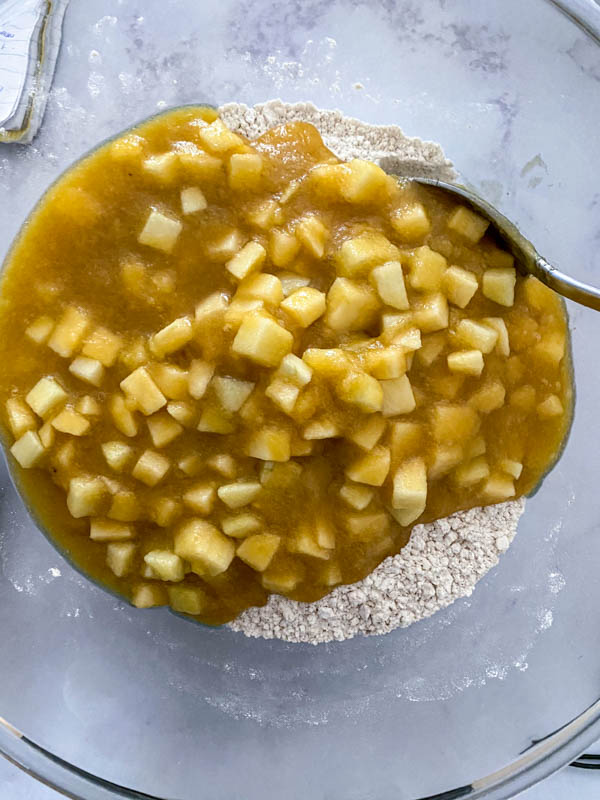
443, 560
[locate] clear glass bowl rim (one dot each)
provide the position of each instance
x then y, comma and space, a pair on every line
537, 763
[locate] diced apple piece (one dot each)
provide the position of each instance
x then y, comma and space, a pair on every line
313, 234
459, 286
64, 456
151, 468
476, 447
123, 419
398, 397
163, 429
261, 339
89, 406
200, 374
191, 464
69, 332
232, 393
411, 221
476, 335
499, 325
385, 363
427, 269
47, 434
46, 396
135, 354
409, 339
357, 256
120, 557
453, 423
388, 280
283, 579
160, 231
226, 245
350, 305
498, 488
20, 418
431, 349
163, 166
245, 171
171, 380
211, 309
523, 398
265, 214
511, 467
241, 525
489, 397
126, 148
40, 329
171, 338
275, 475
148, 595
167, 565
467, 223
283, 248
269, 444
28, 449
431, 313
141, 389
295, 370
70, 421
331, 574
224, 464
409, 493
261, 286
325, 532
370, 468
183, 412
236, 495
356, 495
472, 472
498, 284
447, 386
192, 200
366, 526
86, 369
187, 599
362, 391
444, 458
290, 282
108, 530
258, 549
304, 543
305, 306
200, 498
200, 542
466, 362
405, 438
125, 507
323, 428
283, 393
551, 406
551, 349
214, 419
364, 182
330, 363
248, 260
165, 511
217, 138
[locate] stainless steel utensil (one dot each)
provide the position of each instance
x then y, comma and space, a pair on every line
526, 256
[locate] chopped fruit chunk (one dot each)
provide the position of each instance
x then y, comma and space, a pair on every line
350, 305
498, 488
240, 526
163, 429
411, 221
215, 420
388, 280
192, 200
261, 286
283, 393
200, 375
201, 543
369, 432
291, 282
141, 389
370, 468
87, 369
304, 542
261, 339
321, 429
305, 306
236, 495
431, 313
409, 491
499, 285
502, 343
245, 171
362, 391
333, 363
356, 496
69, 331
357, 257
550, 407
224, 464
151, 468
385, 363
258, 549
512, 468
313, 234
489, 397
459, 286
160, 231
405, 438
102, 345
46, 396
120, 557
107, 530
211, 309
468, 224
40, 329
249, 259
398, 397
283, 579
231, 392
200, 498
125, 507
453, 423
191, 464
550, 350
476, 335
70, 421
148, 595
183, 412
364, 182
123, 419
172, 338
187, 599
28, 449
20, 418
467, 362
427, 269
166, 565
163, 166
366, 526
171, 380
283, 248
444, 458
473, 472
166, 511
523, 398
219, 139
269, 444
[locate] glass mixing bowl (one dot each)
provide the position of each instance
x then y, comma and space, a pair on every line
491, 694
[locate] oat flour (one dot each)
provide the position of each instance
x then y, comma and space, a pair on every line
443, 560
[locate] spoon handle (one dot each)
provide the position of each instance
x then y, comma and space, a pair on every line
564, 285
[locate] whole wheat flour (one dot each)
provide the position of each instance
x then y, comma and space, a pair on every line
443, 560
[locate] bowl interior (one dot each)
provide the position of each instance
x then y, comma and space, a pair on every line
146, 700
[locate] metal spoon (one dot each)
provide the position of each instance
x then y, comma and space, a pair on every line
526, 256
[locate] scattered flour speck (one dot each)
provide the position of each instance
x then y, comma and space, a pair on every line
443, 560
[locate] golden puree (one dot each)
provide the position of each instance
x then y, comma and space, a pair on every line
230, 368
